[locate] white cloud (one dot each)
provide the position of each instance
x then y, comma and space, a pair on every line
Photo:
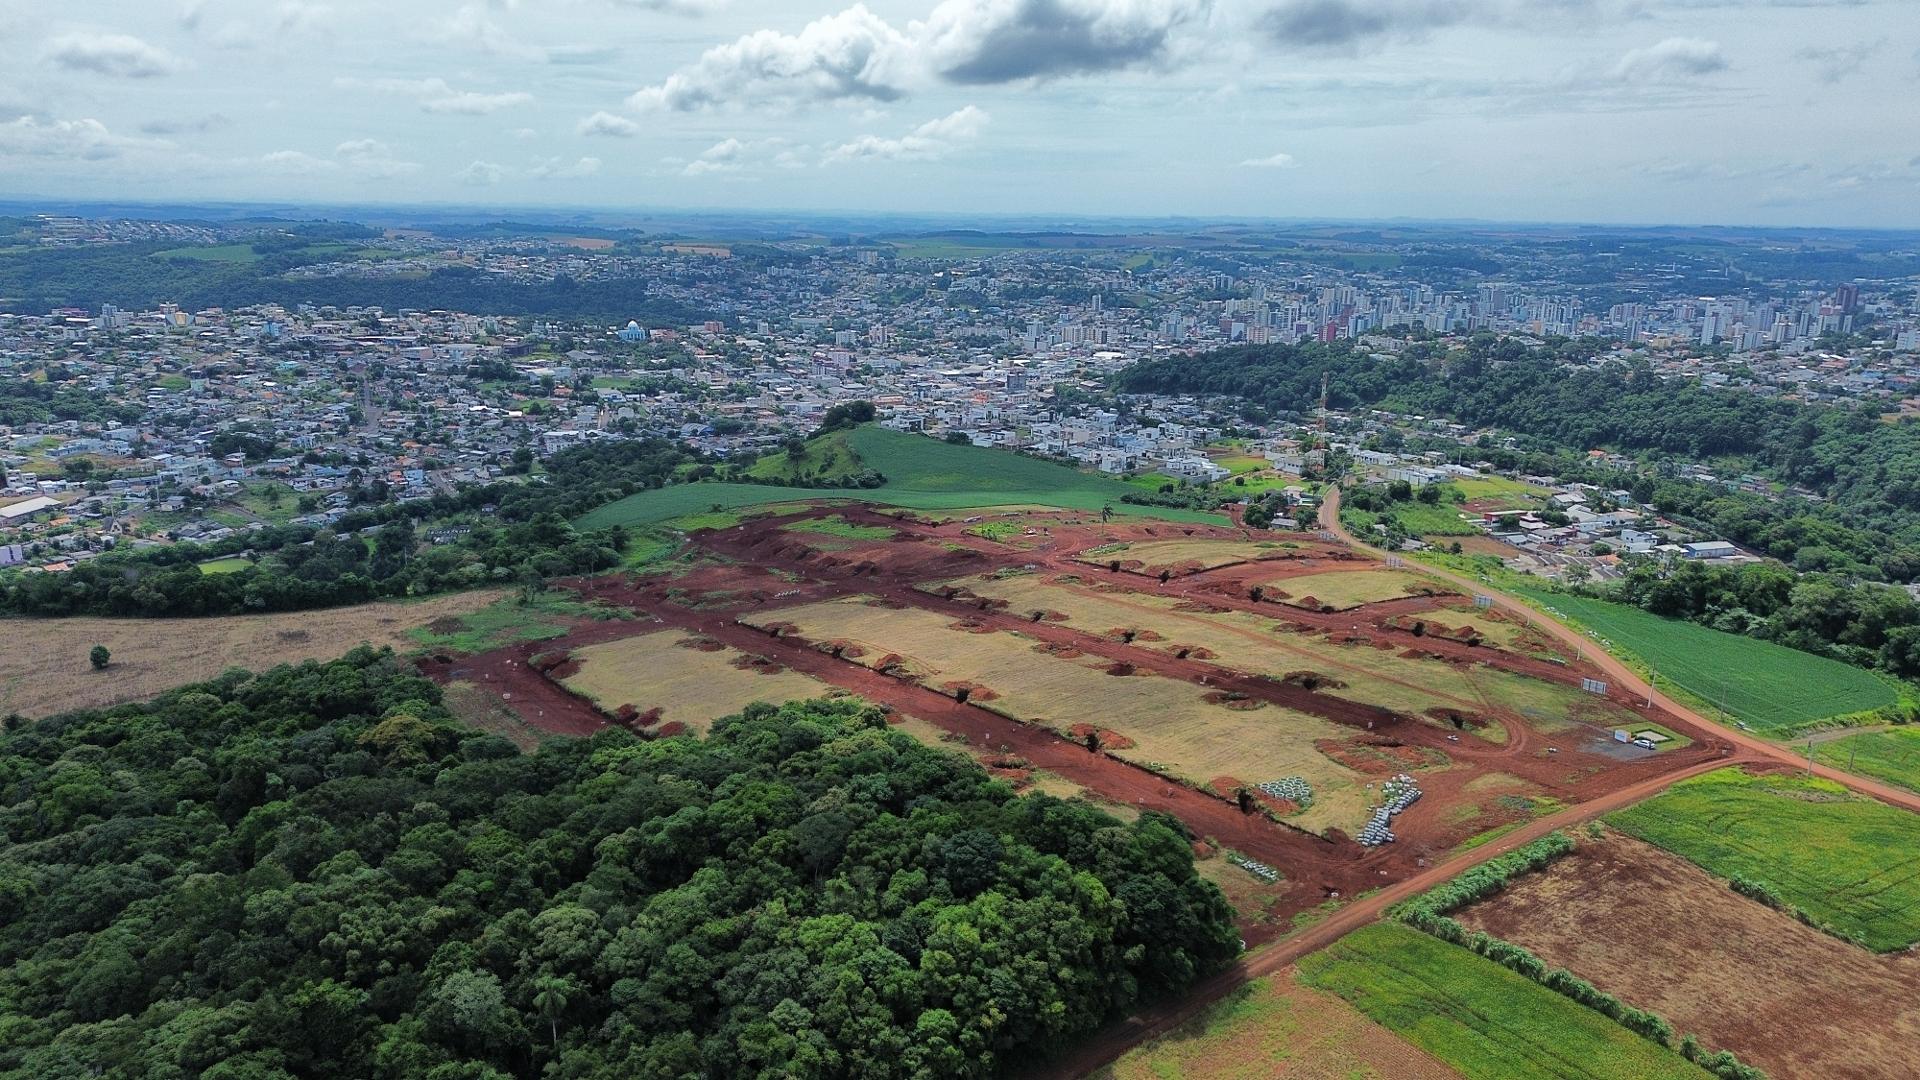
675, 7
436, 96
297, 161
723, 156
373, 159
1271, 161
856, 55
560, 169
472, 27
931, 140
852, 55
606, 124
367, 159
120, 55
84, 140
976, 42
1674, 58
481, 174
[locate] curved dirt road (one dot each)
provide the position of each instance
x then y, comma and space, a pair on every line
1752, 745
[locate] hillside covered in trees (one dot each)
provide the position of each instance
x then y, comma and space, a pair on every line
1867, 470
315, 872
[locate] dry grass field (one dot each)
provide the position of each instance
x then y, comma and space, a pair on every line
1170, 722
44, 669
1258, 645
1343, 589
1204, 553
1277, 1028
653, 671
1664, 934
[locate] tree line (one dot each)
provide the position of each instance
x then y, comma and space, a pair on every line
316, 872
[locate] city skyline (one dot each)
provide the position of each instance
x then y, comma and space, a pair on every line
1722, 112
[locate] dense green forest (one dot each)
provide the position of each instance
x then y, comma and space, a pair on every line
139, 276
1867, 470
316, 872
526, 535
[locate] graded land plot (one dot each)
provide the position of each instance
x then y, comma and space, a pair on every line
1258, 645
1659, 932
1275, 1027
1478, 488
1477, 1016
1892, 755
690, 681
1169, 723
479, 708
837, 533
1488, 626
1849, 862
1198, 554
507, 621
1344, 589
44, 668
1774, 689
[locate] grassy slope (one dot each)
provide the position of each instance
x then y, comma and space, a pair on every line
1892, 755
922, 474
1772, 688
1848, 861
1477, 1016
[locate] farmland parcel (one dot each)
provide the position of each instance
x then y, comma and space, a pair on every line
1850, 863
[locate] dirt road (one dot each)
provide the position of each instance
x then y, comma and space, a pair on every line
1585, 648
1152, 1023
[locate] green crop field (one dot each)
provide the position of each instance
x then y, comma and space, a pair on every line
1852, 863
1773, 689
1477, 1016
922, 474
1892, 755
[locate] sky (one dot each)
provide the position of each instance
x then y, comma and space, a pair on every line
1764, 112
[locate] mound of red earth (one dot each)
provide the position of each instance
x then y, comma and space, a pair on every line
1191, 652
1232, 699
759, 665
1121, 668
1312, 680
962, 690
1059, 649
701, 644
970, 626
841, 647
1109, 739
1379, 758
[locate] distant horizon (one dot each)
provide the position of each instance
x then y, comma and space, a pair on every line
289, 209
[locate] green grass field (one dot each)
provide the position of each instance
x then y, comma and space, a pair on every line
1892, 755
1477, 1016
1773, 689
922, 474
1850, 862
224, 566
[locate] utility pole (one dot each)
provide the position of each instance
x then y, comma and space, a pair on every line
1809, 756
